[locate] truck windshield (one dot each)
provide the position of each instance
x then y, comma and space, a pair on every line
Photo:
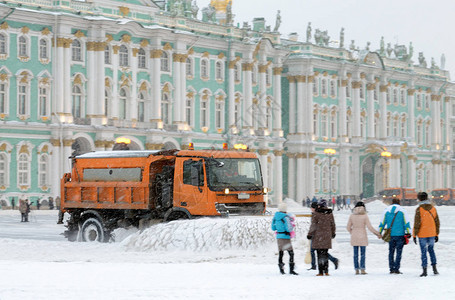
391, 193
237, 174
439, 193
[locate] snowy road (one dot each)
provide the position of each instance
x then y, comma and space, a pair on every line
36, 262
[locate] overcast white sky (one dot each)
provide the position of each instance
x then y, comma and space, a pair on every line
429, 25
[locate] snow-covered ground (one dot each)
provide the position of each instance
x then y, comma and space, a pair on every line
233, 258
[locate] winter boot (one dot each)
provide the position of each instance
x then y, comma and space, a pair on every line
424, 273
281, 266
357, 271
291, 269
435, 271
363, 272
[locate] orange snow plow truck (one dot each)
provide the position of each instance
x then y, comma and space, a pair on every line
112, 189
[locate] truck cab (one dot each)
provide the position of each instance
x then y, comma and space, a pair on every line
407, 196
443, 196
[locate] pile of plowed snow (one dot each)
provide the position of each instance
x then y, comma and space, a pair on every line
208, 234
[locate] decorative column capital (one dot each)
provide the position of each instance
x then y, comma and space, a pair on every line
300, 78
356, 84
247, 67
277, 70
68, 143
291, 79
371, 86
344, 82
278, 152
263, 151
156, 53
411, 92
383, 88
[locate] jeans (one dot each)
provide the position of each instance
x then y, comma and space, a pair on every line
427, 244
362, 257
323, 260
395, 245
313, 257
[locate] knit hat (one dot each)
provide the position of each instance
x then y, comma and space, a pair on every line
360, 203
314, 204
422, 196
282, 207
322, 203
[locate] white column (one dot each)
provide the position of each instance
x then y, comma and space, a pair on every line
411, 114
412, 171
310, 176
344, 171
370, 110
291, 175
155, 74
67, 151
292, 104
309, 106
276, 108
247, 96
300, 104
436, 121
300, 178
394, 175
342, 132
231, 94
356, 172
177, 89
383, 111
263, 96
67, 87
56, 170
99, 79
356, 85
115, 104
182, 107
91, 82
278, 171
58, 80
264, 165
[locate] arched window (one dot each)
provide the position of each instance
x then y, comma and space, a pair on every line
204, 112
324, 87
427, 102
395, 96
317, 178
418, 101
141, 107
325, 177
3, 170
189, 111
122, 104
43, 171
427, 134
3, 98
334, 178
316, 86
106, 102
324, 125
43, 49
237, 111
332, 88
403, 97
403, 127
43, 101
141, 60
165, 108
376, 93
219, 70
3, 44
420, 183
362, 91
315, 122
419, 134
268, 117
164, 61
219, 114
189, 67
107, 55
395, 126
123, 56
333, 125
23, 170
76, 50
77, 101
204, 68
23, 47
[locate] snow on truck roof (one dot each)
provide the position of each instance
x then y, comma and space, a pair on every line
189, 153
117, 154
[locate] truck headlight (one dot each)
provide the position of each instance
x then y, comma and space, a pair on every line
226, 191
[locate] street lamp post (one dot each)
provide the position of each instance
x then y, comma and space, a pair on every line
386, 154
330, 152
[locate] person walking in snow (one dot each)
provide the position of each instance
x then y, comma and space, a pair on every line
397, 215
357, 224
281, 223
426, 227
348, 202
333, 259
321, 233
22, 209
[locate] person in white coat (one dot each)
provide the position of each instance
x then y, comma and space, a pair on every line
357, 224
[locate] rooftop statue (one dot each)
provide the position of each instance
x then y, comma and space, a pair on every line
443, 61
325, 38
422, 61
352, 46
389, 49
368, 46
382, 45
194, 9
411, 52
401, 52
308, 33
277, 22
229, 15
342, 38
433, 64
209, 14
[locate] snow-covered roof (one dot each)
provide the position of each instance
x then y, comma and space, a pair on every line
116, 154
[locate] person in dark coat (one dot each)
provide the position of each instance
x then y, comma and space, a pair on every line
281, 223
13, 203
321, 233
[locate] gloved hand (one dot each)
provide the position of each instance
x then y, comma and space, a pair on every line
436, 239
334, 235
415, 240
308, 237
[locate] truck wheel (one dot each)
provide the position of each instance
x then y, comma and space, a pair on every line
178, 215
92, 231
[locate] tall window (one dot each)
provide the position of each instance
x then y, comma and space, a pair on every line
376, 94
3, 170
237, 73
427, 135
3, 98
22, 99
403, 97
23, 169
123, 56
122, 104
23, 47
204, 68
420, 185
315, 122
77, 101
204, 113
165, 108
348, 126
426, 101
219, 70
141, 61
3, 44
395, 96
418, 101
324, 125
316, 86
333, 126
107, 55
317, 176
268, 117
237, 115
76, 50
324, 86
268, 77
106, 102
419, 134
395, 126
141, 107
189, 111
362, 91
332, 88
189, 67
325, 177
43, 101
165, 62
219, 114
43, 170
43, 49
403, 127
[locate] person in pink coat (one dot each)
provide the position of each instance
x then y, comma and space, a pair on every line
357, 224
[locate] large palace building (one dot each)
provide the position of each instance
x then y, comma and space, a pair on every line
75, 76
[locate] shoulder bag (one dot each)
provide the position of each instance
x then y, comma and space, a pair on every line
386, 236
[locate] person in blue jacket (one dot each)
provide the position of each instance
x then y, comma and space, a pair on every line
400, 228
281, 223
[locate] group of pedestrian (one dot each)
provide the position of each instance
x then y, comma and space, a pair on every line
340, 202
394, 220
